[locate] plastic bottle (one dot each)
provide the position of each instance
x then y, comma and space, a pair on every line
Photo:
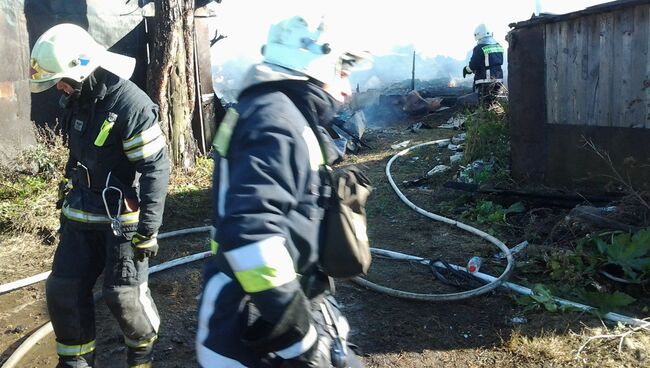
474, 264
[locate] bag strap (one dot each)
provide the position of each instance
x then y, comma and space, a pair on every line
321, 143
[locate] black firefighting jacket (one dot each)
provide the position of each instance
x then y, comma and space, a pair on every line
486, 61
116, 145
267, 189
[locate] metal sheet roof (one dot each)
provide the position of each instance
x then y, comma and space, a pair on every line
545, 18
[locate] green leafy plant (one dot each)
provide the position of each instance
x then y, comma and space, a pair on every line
490, 213
606, 303
487, 138
570, 268
629, 252
540, 297
28, 185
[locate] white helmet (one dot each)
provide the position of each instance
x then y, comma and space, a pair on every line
68, 51
481, 32
294, 45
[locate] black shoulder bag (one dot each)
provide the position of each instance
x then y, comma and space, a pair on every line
344, 251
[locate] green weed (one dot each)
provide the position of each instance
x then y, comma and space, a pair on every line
487, 137
488, 140
28, 186
576, 273
490, 213
628, 252
542, 297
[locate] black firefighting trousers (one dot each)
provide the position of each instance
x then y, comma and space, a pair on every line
488, 92
79, 260
225, 313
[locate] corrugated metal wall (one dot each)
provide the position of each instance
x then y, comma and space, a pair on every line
15, 127
117, 24
598, 69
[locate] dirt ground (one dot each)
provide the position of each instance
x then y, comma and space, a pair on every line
486, 331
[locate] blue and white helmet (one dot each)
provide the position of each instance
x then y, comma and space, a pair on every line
297, 45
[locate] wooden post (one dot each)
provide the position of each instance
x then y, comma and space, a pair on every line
413, 73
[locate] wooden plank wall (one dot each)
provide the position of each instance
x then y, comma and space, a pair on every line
598, 69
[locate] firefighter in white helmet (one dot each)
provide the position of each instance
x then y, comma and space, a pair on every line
265, 302
107, 224
485, 63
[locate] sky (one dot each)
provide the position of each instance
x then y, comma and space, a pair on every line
431, 28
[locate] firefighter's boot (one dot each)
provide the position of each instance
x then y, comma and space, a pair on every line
77, 361
143, 365
140, 356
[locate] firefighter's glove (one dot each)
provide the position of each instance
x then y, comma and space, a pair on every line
465, 72
65, 186
295, 325
144, 246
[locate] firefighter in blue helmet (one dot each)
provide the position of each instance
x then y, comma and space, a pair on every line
111, 199
485, 63
264, 302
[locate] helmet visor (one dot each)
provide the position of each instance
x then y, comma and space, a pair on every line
37, 87
41, 79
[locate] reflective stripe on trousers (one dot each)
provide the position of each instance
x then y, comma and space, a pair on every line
206, 356
80, 258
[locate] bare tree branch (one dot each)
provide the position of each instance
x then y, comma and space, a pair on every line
626, 182
217, 37
621, 336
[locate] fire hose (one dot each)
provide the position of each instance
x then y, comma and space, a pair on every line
14, 285
491, 285
492, 282
47, 328
615, 317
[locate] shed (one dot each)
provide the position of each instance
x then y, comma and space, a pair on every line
578, 80
120, 25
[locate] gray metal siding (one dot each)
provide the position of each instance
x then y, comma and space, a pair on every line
598, 69
15, 127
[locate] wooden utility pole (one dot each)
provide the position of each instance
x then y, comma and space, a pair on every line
170, 76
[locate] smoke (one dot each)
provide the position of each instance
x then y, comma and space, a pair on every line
386, 71
399, 65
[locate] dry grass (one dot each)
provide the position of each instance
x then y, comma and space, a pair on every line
563, 350
28, 187
544, 350
547, 347
196, 178
189, 197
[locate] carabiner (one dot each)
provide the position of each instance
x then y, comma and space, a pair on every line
116, 226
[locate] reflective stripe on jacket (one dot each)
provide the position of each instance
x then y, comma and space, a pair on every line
486, 62
266, 209
113, 134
